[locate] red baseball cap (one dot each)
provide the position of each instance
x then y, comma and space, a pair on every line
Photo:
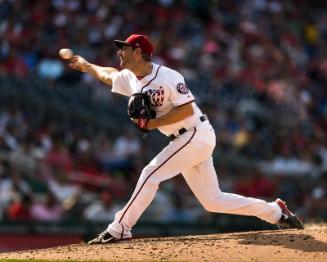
140, 41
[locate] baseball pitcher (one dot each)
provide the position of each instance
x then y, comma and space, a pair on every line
160, 99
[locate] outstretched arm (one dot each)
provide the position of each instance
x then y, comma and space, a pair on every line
101, 73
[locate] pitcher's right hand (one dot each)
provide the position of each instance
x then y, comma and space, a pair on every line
79, 63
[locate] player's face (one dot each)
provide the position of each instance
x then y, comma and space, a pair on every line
126, 56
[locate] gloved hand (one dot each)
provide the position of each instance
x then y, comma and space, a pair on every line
140, 110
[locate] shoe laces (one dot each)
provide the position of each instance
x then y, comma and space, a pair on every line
283, 223
102, 234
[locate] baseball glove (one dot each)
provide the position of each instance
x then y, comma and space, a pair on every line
139, 108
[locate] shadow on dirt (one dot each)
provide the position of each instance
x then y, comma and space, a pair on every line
303, 242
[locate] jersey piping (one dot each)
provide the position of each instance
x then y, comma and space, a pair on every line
186, 103
151, 79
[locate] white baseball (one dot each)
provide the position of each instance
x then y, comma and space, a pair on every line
66, 53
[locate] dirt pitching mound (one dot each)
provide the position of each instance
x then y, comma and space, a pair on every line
308, 245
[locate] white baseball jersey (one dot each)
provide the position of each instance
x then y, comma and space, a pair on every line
190, 154
166, 89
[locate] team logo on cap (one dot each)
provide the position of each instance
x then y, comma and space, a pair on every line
181, 88
156, 96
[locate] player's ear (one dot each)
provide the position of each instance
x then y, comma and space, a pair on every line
138, 53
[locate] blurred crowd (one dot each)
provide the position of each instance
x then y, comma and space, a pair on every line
258, 68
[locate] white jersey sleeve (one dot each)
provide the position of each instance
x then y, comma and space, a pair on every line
125, 83
179, 94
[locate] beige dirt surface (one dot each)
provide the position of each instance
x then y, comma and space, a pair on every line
306, 245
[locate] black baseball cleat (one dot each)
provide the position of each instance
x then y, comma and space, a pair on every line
103, 238
288, 219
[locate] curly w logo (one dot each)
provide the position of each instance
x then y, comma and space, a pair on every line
156, 96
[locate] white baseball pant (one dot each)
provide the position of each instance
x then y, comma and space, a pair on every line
191, 155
